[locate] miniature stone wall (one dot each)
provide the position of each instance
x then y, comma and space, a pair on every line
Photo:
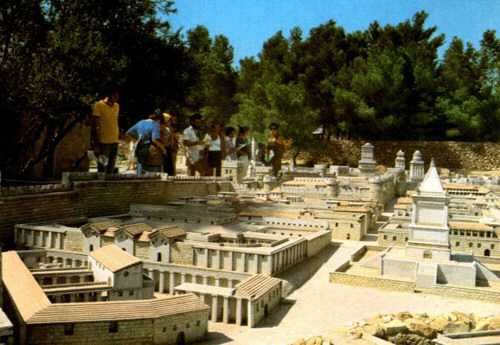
86, 195
374, 282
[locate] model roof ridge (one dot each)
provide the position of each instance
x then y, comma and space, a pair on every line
432, 182
22, 286
117, 310
114, 258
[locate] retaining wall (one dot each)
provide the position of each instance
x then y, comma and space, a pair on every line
98, 195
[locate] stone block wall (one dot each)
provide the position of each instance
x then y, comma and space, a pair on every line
181, 253
92, 198
316, 243
129, 332
374, 282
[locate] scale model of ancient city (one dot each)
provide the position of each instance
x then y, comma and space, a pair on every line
154, 259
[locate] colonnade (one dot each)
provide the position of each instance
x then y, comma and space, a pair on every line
288, 257
46, 238
168, 280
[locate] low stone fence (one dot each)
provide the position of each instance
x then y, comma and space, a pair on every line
465, 293
373, 282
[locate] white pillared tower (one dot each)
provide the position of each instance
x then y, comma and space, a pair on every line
367, 162
417, 167
400, 160
429, 234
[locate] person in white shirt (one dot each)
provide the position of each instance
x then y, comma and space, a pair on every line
193, 144
215, 146
230, 144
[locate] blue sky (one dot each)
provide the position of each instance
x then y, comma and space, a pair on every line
249, 23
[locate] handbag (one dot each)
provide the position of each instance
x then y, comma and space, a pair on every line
155, 155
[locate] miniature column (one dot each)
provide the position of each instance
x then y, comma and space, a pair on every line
225, 315
171, 283
250, 321
183, 278
205, 280
162, 281
215, 308
49, 242
217, 281
238, 311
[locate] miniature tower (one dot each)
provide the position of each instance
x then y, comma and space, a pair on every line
400, 160
417, 167
429, 232
367, 163
332, 188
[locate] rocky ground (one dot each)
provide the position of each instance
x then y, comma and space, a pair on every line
405, 328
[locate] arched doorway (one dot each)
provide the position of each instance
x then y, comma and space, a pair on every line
266, 311
181, 338
486, 252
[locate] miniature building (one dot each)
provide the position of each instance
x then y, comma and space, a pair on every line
429, 231
417, 167
400, 160
120, 270
367, 163
153, 321
246, 304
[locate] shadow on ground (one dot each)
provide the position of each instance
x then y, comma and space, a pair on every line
301, 272
215, 338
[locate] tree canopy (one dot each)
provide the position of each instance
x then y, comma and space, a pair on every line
383, 83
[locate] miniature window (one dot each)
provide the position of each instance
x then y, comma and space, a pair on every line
479, 245
197, 323
174, 328
125, 274
113, 327
120, 294
164, 329
158, 257
131, 293
187, 325
385, 237
470, 245
457, 244
394, 238
69, 329
406, 239
492, 246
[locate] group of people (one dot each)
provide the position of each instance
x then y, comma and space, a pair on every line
156, 142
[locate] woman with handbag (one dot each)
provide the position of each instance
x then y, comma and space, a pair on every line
149, 149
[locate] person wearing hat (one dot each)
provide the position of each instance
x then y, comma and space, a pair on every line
194, 146
104, 129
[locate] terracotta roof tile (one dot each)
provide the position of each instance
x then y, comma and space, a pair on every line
459, 186
27, 295
135, 229
169, 232
256, 286
117, 310
113, 258
101, 226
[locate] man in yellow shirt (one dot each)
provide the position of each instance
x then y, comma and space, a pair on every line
104, 136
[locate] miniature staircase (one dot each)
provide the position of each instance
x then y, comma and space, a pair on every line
425, 275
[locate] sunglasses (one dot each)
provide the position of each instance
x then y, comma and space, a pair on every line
273, 128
